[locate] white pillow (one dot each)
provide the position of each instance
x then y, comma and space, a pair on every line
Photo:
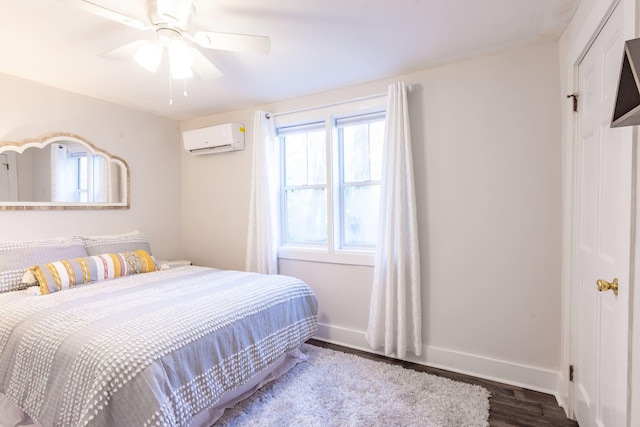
17, 257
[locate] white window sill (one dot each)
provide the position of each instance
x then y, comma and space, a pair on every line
316, 255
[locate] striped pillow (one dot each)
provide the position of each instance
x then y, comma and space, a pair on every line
65, 274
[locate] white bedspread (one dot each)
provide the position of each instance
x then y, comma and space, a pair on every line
148, 349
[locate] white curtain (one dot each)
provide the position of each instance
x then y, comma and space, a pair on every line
263, 233
395, 312
99, 178
63, 172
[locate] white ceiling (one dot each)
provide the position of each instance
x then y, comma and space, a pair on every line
316, 45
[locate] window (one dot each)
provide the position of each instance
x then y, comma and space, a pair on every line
330, 186
79, 176
360, 161
304, 184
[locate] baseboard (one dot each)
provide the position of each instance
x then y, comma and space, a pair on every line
515, 374
563, 395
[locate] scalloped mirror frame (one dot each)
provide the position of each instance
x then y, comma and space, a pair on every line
51, 138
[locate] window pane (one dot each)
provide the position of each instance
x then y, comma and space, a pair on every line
317, 160
376, 138
305, 216
360, 222
305, 158
83, 179
83, 176
362, 151
295, 152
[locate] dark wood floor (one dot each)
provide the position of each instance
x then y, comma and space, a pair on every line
509, 405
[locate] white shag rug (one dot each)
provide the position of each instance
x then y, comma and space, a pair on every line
338, 389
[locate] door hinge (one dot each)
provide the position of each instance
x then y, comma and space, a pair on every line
571, 373
575, 101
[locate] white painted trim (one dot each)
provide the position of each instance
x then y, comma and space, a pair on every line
516, 374
562, 399
297, 253
342, 336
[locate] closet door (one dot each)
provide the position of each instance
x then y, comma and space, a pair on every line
602, 237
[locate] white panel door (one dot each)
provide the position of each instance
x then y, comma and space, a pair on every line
603, 237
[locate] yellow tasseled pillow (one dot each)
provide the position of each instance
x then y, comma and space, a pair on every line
65, 274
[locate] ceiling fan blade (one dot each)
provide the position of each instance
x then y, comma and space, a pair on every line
102, 11
203, 67
232, 42
126, 51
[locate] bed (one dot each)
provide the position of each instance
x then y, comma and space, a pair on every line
170, 347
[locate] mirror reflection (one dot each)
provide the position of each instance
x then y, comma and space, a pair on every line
61, 171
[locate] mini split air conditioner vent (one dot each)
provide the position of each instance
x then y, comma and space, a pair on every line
214, 139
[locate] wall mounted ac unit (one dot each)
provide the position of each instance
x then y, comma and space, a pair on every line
214, 139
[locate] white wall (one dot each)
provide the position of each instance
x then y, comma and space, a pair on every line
149, 144
487, 153
215, 202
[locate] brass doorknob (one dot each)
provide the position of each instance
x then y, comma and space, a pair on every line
603, 285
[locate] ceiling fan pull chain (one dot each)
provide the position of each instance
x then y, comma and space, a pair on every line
185, 87
170, 90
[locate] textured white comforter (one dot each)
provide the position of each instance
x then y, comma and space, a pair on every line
150, 349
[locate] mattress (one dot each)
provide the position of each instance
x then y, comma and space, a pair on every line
153, 349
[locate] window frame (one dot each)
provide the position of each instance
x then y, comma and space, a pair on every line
331, 252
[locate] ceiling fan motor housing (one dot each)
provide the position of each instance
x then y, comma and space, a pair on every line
173, 14
166, 35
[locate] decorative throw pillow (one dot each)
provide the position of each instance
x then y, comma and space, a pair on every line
17, 257
109, 244
65, 274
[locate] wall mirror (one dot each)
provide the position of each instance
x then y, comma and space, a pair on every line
61, 171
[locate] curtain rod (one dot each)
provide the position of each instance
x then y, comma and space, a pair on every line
346, 101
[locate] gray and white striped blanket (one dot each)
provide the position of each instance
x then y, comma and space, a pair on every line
146, 350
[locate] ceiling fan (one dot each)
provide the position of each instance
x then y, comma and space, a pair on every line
170, 20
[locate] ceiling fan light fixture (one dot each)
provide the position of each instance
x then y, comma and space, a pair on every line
171, 20
180, 59
149, 56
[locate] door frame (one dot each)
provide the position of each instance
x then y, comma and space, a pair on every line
584, 37
12, 176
